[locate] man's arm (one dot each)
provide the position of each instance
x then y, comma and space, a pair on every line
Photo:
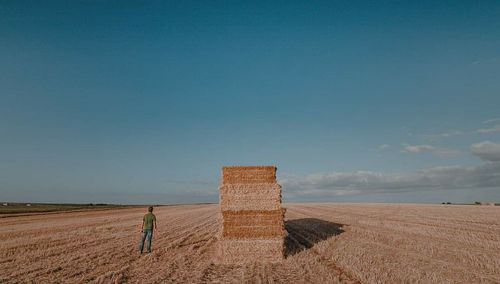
142, 226
156, 227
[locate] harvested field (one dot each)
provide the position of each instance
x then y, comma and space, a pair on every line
327, 243
34, 208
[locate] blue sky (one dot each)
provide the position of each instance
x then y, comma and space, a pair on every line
133, 102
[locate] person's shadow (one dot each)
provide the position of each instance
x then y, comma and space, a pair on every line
304, 233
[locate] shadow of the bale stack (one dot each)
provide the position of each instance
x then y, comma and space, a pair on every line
304, 233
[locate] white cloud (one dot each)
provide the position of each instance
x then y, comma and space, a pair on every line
432, 138
383, 147
491, 120
486, 150
437, 137
418, 148
451, 133
485, 175
440, 152
492, 129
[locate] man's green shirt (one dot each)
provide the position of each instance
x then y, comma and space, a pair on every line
148, 220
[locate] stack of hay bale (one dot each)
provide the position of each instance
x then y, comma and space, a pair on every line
252, 227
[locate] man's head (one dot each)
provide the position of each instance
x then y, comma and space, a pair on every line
150, 209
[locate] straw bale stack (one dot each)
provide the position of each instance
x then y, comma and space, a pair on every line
251, 225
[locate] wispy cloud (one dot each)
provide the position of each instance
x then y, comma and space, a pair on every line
436, 137
446, 152
487, 150
364, 182
492, 129
418, 148
438, 151
193, 181
383, 147
491, 120
450, 133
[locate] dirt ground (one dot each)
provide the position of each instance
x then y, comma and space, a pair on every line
327, 243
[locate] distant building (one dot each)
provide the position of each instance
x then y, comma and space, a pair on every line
6, 204
28, 204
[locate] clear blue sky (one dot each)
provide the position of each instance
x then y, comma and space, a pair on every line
144, 101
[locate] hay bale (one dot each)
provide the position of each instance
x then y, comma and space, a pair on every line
263, 196
245, 251
251, 219
253, 224
248, 174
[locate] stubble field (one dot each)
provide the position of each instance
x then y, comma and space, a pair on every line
327, 243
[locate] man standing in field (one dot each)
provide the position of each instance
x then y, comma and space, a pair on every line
148, 225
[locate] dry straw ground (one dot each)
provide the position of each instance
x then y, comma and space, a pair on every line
328, 243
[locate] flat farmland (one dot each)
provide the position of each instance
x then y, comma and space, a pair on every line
18, 209
326, 243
